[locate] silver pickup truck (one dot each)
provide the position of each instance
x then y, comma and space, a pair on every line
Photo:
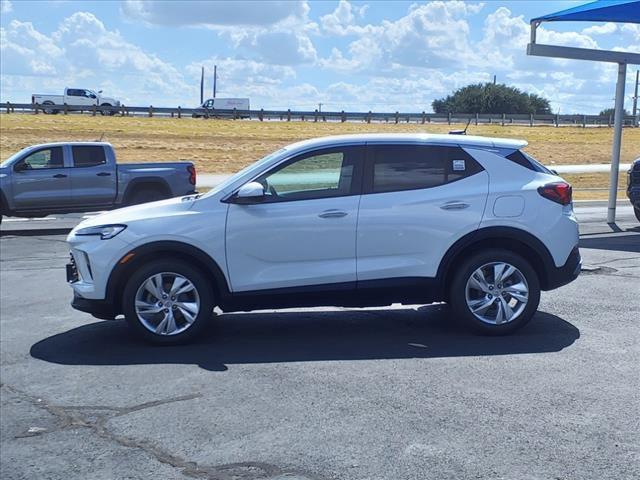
83, 176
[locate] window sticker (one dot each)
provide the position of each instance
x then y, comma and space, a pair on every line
459, 165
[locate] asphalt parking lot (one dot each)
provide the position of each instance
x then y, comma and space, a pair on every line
382, 393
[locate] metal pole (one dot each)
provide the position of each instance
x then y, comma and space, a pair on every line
635, 101
202, 86
215, 78
617, 140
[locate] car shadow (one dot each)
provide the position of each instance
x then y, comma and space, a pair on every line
625, 241
294, 336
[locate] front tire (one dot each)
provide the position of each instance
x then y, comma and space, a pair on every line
495, 292
104, 112
167, 302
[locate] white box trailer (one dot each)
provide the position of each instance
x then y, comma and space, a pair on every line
226, 103
221, 104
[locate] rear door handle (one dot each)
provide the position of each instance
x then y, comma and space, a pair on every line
59, 175
333, 213
454, 206
103, 174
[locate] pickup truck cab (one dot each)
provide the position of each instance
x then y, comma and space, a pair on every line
83, 176
75, 97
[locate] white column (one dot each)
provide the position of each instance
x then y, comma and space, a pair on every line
617, 140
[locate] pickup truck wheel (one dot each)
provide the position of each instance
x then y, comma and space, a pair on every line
49, 111
495, 292
105, 113
167, 302
146, 195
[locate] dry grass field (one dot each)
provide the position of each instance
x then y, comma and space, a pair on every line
224, 146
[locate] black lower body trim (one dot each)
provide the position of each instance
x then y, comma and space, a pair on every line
367, 293
559, 276
98, 308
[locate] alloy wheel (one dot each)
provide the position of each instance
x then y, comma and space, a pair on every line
497, 293
167, 303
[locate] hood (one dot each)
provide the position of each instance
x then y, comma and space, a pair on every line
145, 211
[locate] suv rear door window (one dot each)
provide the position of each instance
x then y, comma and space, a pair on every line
393, 168
408, 167
88, 156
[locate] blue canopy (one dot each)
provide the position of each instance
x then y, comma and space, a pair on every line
623, 11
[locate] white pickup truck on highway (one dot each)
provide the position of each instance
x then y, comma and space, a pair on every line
75, 97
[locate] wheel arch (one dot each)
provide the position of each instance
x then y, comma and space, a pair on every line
513, 239
153, 183
165, 249
4, 205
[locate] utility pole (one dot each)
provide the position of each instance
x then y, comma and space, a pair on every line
494, 79
635, 101
202, 86
215, 78
320, 107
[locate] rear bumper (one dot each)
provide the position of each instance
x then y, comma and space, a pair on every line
559, 276
101, 309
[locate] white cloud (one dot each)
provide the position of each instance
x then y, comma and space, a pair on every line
5, 6
604, 29
83, 51
342, 20
279, 47
206, 13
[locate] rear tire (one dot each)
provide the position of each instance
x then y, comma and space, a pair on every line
49, 111
146, 195
168, 302
502, 289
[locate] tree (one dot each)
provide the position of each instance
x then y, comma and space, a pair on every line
611, 112
491, 98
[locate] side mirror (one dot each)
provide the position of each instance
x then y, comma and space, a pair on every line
250, 191
20, 167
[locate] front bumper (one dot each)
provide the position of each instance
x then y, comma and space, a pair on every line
559, 276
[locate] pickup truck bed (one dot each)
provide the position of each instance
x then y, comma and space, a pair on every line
84, 176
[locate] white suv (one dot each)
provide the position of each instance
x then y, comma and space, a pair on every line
359, 220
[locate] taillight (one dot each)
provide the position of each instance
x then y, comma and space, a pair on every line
559, 192
192, 174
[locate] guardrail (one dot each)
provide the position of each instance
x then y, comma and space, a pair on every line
317, 116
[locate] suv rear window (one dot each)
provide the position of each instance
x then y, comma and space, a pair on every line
88, 156
527, 161
413, 167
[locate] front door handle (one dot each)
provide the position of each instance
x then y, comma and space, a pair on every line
59, 175
454, 206
333, 213
103, 174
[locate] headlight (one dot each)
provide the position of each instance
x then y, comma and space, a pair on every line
105, 231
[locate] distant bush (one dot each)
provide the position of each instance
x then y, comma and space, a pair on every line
491, 98
611, 111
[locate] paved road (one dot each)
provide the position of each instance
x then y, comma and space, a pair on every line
384, 393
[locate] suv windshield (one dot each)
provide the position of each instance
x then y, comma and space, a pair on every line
244, 171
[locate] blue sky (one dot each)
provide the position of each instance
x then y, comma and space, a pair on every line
360, 55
